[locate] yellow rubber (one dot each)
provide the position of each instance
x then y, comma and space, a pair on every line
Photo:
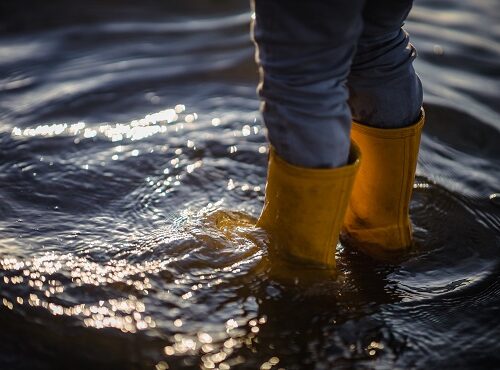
377, 218
304, 208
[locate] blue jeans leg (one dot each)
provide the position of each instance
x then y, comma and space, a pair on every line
384, 89
305, 50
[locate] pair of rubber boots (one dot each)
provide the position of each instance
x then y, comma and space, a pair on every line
368, 199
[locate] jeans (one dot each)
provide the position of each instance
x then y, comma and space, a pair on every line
326, 62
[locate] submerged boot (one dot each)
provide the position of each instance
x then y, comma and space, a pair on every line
377, 219
304, 208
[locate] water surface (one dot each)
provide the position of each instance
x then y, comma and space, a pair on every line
130, 146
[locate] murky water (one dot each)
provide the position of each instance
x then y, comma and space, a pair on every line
131, 146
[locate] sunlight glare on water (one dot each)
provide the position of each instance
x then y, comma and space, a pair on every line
133, 165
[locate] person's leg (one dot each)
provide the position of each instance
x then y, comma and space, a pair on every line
385, 99
304, 50
384, 88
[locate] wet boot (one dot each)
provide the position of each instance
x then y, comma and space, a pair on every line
377, 219
304, 208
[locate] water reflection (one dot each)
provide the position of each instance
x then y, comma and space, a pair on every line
151, 124
129, 242
195, 280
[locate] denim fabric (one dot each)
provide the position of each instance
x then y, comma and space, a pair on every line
320, 60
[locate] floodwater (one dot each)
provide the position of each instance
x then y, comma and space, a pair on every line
131, 146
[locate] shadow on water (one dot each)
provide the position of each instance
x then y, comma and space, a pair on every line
131, 146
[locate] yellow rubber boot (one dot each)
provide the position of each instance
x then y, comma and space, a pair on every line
377, 219
304, 208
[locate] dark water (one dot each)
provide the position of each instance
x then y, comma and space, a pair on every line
130, 145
